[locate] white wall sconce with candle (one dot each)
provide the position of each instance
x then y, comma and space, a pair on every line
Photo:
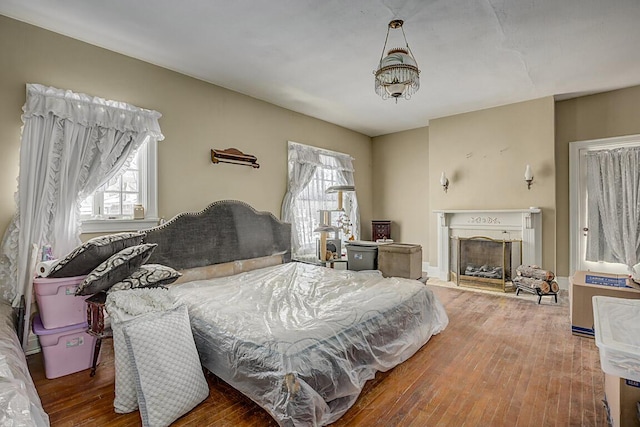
444, 181
528, 176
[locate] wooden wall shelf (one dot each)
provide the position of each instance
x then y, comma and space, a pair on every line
234, 156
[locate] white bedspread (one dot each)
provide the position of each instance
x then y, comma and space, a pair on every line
301, 340
20, 404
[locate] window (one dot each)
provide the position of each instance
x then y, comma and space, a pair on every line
110, 208
313, 200
311, 172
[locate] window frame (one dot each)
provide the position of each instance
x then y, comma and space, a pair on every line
148, 165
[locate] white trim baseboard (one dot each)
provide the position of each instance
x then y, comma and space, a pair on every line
432, 271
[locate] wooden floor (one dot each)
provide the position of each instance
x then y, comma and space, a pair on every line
500, 362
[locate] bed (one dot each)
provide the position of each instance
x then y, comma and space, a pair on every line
300, 340
20, 404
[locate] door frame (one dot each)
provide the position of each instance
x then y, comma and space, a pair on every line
576, 188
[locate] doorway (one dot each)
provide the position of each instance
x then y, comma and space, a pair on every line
578, 196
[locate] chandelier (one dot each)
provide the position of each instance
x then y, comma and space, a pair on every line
397, 75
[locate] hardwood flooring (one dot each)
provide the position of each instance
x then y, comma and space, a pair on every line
500, 362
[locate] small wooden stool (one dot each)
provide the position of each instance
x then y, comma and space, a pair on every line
95, 319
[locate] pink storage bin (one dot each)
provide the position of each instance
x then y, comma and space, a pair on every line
57, 303
66, 350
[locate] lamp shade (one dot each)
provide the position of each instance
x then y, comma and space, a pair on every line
443, 179
528, 174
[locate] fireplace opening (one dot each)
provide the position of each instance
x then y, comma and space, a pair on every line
483, 262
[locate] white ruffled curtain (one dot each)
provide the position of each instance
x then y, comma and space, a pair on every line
304, 163
613, 188
71, 144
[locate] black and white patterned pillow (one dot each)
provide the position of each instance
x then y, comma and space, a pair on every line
147, 276
92, 253
115, 269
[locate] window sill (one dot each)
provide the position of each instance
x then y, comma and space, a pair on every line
117, 225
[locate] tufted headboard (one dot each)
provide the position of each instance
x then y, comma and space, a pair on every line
224, 231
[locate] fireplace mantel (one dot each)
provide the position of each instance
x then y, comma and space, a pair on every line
523, 224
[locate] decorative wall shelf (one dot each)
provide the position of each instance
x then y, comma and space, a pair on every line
234, 156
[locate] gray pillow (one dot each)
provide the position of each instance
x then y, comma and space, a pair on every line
168, 374
147, 276
89, 255
115, 269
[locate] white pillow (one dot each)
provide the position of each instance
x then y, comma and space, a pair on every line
168, 373
123, 306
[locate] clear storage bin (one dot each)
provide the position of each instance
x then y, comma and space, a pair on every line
617, 334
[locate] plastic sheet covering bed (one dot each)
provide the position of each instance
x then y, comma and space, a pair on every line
19, 402
302, 340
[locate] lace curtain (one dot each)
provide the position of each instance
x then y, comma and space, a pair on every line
71, 144
311, 171
613, 210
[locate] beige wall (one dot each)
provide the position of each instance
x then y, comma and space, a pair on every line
401, 185
604, 115
484, 154
197, 116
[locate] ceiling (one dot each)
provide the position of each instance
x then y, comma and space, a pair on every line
317, 57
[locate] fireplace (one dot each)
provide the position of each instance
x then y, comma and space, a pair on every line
523, 225
483, 262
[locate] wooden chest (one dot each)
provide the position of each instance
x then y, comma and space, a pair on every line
380, 229
400, 260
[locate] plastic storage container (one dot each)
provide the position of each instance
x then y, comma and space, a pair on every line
57, 303
66, 350
362, 255
400, 260
617, 333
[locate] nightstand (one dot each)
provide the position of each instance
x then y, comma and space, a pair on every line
380, 229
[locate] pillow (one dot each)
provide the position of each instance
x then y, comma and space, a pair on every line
90, 254
116, 268
122, 307
147, 276
168, 375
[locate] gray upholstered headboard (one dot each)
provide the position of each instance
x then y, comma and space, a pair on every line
225, 231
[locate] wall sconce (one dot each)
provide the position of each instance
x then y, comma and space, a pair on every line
528, 176
444, 181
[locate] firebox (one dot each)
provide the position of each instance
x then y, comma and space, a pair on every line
483, 262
